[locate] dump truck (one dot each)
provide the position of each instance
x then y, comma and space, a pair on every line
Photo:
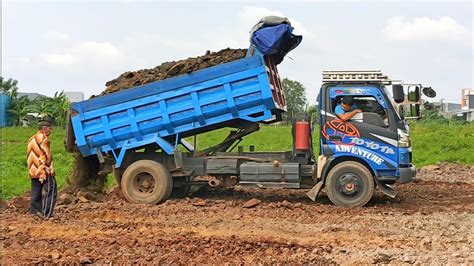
144, 134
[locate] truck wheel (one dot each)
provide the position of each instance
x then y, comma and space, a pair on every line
146, 181
350, 184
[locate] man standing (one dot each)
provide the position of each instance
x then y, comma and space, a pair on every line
40, 169
346, 110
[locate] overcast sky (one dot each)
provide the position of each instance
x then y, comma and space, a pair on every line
51, 46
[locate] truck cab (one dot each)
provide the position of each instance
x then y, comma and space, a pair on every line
373, 143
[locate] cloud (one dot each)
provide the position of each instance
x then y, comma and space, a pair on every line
85, 53
60, 59
250, 15
56, 36
445, 29
103, 50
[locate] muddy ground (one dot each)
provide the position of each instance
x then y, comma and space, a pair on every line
430, 221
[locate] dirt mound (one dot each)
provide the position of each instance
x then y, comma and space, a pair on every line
447, 172
85, 181
20, 203
170, 69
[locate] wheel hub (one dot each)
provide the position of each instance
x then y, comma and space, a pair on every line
145, 183
349, 184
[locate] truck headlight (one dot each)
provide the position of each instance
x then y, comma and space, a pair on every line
404, 157
404, 140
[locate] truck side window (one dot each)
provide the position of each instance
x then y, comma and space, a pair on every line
372, 112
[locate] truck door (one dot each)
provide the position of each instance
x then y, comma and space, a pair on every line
370, 136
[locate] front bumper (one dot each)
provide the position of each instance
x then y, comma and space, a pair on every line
407, 174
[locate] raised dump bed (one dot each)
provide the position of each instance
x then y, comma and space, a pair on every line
163, 112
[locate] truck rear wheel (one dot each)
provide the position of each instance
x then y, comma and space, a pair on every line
350, 184
146, 181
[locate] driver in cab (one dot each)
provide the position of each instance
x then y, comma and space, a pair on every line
346, 109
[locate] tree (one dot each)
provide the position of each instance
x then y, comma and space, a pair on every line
55, 107
19, 107
313, 112
9, 87
431, 112
295, 98
18, 110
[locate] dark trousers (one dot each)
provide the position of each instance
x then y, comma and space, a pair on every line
43, 205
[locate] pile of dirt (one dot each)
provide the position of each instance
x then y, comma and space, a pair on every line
170, 69
85, 178
447, 172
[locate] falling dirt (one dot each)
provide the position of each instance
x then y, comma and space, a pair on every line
85, 178
170, 69
429, 222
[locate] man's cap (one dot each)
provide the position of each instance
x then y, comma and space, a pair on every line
46, 121
348, 100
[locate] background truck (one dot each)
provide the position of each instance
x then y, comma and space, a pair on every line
139, 134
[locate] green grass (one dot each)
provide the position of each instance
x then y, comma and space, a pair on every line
432, 143
442, 142
268, 138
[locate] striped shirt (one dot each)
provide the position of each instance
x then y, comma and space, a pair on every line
39, 156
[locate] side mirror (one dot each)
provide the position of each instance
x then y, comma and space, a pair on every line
410, 111
414, 110
413, 93
398, 94
429, 92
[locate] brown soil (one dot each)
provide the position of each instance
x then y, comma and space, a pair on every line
85, 176
170, 69
430, 222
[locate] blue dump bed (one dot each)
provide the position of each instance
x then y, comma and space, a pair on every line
165, 111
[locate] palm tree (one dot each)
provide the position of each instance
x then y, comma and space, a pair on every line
18, 109
9, 87
56, 107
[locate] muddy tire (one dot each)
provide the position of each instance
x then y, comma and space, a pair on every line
350, 184
147, 182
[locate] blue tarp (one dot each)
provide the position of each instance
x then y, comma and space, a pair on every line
268, 40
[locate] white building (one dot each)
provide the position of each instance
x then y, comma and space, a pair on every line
467, 105
74, 96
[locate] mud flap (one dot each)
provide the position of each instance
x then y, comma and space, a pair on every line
313, 193
386, 189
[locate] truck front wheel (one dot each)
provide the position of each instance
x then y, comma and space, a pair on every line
146, 181
350, 184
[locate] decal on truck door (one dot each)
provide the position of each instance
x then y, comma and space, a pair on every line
372, 145
360, 152
344, 130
